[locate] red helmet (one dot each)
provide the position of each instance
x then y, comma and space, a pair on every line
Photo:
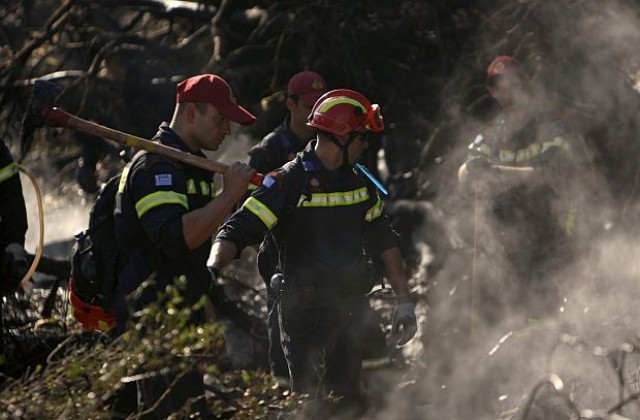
342, 111
91, 317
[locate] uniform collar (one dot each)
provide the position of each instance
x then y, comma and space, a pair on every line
286, 129
168, 137
311, 162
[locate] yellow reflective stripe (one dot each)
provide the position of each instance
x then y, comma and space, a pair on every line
533, 150
506, 156
530, 152
330, 103
191, 186
123, 178
213, 189
252, 187
335, 199
556, 142
8, 171
570, 223
374, 212
263, 212
158, 198
204, 187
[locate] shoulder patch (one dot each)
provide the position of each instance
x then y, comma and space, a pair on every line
163, 180
274, 178
268, 181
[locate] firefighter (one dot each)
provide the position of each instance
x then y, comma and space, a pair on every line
13, 228
167, 212
522, 164
323, 215
276, 149
290, 137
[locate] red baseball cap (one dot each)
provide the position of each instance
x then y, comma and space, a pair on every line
213, 89
503, 64
308, 86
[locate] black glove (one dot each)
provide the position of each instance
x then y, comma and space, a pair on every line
403, 323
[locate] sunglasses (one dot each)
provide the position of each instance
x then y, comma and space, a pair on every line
365, 136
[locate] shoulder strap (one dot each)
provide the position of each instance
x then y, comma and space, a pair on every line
297, 183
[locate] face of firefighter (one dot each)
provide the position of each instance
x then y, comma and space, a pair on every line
299, 113
509, 90
209, 127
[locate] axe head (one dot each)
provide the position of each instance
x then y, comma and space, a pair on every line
42, 97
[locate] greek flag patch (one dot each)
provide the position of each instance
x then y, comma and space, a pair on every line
268, 182
164, 180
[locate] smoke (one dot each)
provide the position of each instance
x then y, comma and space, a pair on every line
64, 215
483, 355
482, 360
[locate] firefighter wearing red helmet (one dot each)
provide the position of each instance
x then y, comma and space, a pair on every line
274, 150
346, 114
524, 166
323, 215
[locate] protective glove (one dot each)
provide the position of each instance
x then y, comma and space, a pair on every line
403, 323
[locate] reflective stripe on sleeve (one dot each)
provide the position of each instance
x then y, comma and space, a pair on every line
159, 198
374, 212
263, 212
8, 171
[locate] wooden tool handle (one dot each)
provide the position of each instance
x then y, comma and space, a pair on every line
56, 117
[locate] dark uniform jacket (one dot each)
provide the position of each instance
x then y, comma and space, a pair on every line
13, 223
321, 222
275, 149
13, 213
155, 192
536, 220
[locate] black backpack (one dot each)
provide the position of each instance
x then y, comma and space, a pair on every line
97, 259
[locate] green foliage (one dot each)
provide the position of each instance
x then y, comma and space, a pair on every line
86, 369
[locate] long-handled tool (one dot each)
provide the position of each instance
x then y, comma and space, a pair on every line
41, 111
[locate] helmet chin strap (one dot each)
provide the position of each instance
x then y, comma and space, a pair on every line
345, 148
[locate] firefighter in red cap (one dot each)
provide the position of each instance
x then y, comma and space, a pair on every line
522, 165
290, 137
167, 212
322, 215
